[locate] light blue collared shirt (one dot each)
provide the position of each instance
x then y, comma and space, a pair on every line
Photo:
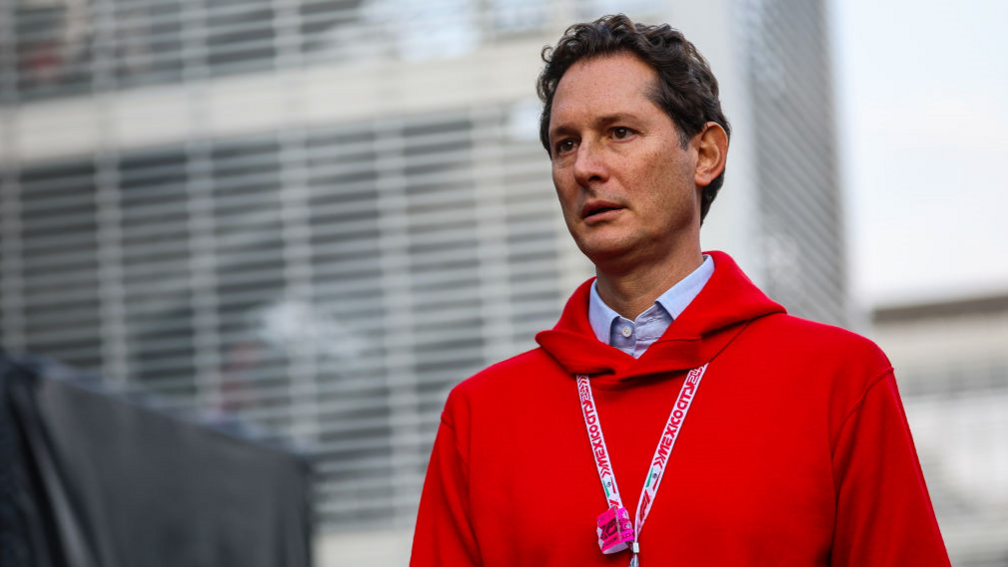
634, 337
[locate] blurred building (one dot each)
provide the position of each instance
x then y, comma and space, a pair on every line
951, 360
323, 214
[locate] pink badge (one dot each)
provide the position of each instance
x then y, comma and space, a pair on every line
615, 532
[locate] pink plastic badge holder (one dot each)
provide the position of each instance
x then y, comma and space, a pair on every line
615, 532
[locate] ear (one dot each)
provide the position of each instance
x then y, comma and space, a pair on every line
712, 153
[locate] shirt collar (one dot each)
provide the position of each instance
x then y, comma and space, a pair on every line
674, 301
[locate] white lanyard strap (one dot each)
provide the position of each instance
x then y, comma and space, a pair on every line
661, 455
665, 445
599, 450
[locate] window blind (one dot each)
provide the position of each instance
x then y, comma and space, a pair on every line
329, 283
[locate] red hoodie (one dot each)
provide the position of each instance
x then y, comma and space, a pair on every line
795, 451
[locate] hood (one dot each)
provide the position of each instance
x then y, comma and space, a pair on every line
717, 315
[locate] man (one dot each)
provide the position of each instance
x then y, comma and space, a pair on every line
794, 449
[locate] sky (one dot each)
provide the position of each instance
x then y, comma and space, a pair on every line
923, 122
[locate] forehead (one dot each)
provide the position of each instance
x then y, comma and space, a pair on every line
619, 83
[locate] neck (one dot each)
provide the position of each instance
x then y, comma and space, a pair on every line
633, 291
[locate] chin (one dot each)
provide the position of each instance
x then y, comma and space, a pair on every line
602, 240
604, 253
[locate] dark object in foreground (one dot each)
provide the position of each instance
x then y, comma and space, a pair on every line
90, 478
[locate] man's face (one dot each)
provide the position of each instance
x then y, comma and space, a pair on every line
625, 184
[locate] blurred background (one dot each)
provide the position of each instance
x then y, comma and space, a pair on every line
320, 215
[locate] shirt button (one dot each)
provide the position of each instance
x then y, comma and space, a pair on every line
626, 332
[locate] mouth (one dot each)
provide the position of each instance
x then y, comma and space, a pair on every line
598, 210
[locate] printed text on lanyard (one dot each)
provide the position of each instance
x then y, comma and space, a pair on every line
615, 530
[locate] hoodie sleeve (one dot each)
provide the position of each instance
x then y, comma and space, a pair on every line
444, 534
884, 516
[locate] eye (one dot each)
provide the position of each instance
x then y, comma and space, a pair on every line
565, 146
621, 133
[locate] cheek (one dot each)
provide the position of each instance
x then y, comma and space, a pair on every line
563, 185
557, 179
672, 185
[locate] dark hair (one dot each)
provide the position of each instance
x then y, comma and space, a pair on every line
686, 89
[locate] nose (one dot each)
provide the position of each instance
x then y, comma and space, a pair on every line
589, 164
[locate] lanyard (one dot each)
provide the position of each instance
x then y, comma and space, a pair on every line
658, 462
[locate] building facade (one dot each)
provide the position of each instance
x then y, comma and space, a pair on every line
323, 214
951, 361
